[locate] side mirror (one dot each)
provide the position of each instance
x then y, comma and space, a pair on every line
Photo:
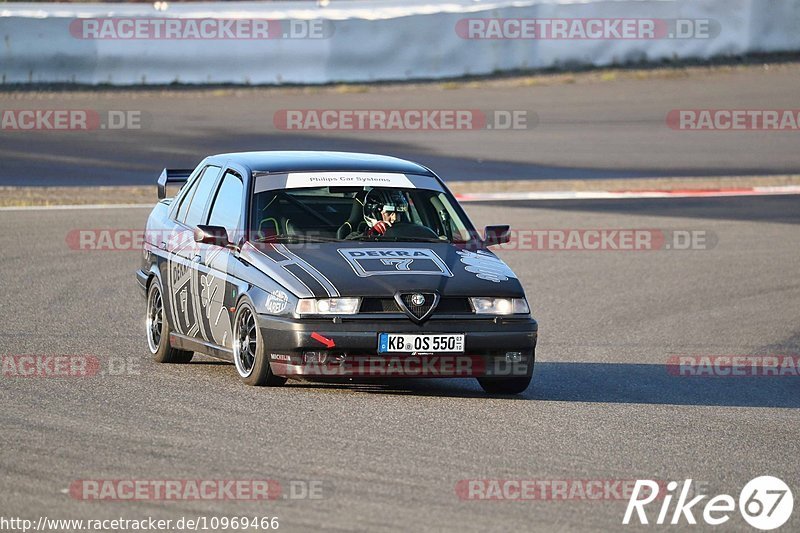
216, 235
496, 235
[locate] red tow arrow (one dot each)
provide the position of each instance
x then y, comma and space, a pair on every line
329, 343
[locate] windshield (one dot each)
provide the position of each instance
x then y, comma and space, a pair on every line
357, 213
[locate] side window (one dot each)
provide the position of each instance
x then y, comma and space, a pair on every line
454, 226
186, 199
228, 204
205, 186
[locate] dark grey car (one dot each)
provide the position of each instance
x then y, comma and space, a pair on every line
327, 265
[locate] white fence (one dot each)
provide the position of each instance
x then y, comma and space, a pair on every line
368, 41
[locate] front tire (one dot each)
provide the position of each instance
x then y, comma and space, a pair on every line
249, 353
505, 385
159, 328
514, 385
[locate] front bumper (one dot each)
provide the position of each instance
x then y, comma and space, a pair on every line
348, 347
141, 281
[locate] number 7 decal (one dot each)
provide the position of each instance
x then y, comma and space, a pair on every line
399, 264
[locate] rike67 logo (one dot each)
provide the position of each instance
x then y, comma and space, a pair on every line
765, 503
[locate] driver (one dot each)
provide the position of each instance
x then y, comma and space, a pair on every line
382, 209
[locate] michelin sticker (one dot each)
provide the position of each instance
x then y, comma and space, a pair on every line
485, 266
386, 261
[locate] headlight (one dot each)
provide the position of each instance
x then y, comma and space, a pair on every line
500, 306
328, 306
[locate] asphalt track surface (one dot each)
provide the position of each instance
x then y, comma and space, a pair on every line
584, 130
602, 404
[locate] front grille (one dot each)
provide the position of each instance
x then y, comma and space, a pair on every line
418, 310
447, 306
380, 305
454, 306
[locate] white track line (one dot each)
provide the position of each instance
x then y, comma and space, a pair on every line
76, 207
616, 195
506, 196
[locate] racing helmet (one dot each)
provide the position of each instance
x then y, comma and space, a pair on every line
378, 201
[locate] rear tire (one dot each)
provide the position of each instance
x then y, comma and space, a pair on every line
249, 353
159, 328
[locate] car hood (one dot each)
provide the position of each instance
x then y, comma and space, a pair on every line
375, 269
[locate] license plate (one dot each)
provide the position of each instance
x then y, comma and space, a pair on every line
428, 343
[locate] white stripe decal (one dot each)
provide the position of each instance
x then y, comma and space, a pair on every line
279, 276
310, 269
182, 261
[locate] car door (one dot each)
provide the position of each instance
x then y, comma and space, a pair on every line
182, 283
218, 286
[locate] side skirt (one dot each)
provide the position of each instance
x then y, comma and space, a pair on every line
182, 342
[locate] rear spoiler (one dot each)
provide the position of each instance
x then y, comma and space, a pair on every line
172, 175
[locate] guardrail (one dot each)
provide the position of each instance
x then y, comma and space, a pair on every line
354, 41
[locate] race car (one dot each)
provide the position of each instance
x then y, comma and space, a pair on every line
330, 265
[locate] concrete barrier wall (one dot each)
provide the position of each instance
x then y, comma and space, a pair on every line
367, 41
